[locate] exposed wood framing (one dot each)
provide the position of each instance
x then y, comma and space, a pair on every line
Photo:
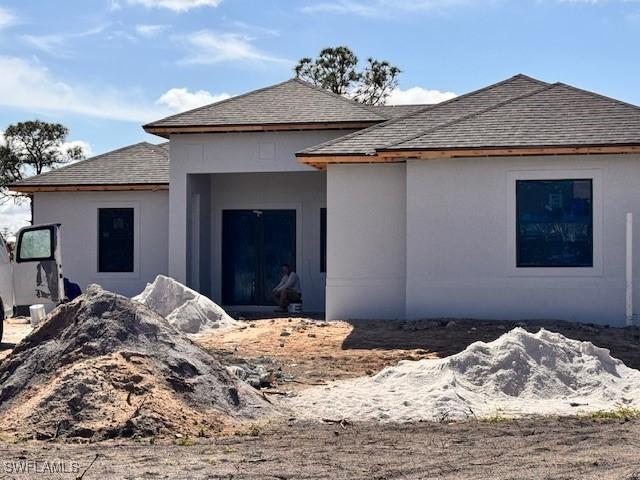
309, 160
320, 162
89, 188
507, 152
166, 131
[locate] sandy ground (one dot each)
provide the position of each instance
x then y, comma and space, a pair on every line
317, 352
15, 329
314, 352
526, 449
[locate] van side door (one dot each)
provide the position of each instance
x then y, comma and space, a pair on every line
37, 270
6, 279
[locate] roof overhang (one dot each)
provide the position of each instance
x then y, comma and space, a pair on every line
153, 187
165, 131
389, 156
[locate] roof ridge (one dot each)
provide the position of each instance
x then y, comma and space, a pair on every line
363, 106
471, 115
422, 110
235, 97
84, 161
599, 95
393, 105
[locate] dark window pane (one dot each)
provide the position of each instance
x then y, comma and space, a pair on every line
554, 223
115, 240
323, 240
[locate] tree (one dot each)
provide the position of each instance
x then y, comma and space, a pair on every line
336, 70
32, 147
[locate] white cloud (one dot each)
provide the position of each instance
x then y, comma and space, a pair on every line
55, 44
177, 5
84, 146
380, 7
181, 99
207, 47
30, 86
6, 18
14, 216
150, 30
416, 95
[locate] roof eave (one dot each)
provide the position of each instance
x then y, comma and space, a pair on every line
166, 130
320, 161
89, 187
506, 151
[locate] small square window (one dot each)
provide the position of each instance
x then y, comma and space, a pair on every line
554, 223
115, 240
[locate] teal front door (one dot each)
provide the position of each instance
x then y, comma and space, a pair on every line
255, 243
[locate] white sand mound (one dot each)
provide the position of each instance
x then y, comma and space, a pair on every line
184, 308
520, 373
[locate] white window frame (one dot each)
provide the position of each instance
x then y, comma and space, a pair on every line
595, 175
136, 240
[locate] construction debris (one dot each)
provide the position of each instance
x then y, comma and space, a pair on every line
183, 307
520, 373
103, 366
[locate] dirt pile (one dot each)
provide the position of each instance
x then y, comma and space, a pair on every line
183, 307
103, 366
520, 373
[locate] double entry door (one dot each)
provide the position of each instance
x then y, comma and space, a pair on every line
255, 244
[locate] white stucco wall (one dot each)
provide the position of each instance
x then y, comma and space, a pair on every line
366, 250
459, 240
78, 214
247, 154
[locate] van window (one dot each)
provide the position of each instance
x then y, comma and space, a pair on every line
36, 244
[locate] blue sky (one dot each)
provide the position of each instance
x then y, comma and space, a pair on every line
104, 67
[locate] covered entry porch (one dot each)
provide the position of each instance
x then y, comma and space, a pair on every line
240, 229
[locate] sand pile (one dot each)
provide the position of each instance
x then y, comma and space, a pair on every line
103, 366
520, 373
183, 307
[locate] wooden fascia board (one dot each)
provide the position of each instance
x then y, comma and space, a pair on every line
320, 162
392, 155
164, 131
89, 188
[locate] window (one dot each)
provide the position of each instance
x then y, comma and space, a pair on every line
36, 244
554, 223
115, 239
323, 240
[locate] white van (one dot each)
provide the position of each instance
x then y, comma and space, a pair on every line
35, 274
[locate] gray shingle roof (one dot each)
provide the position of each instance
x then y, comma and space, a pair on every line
365, 142
290, 102
553, 116
139, 164
395, 111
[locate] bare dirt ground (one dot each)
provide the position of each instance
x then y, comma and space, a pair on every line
15, 329
524, 449
312, 352
315, 352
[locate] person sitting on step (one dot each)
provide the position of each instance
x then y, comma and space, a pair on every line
288, 290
